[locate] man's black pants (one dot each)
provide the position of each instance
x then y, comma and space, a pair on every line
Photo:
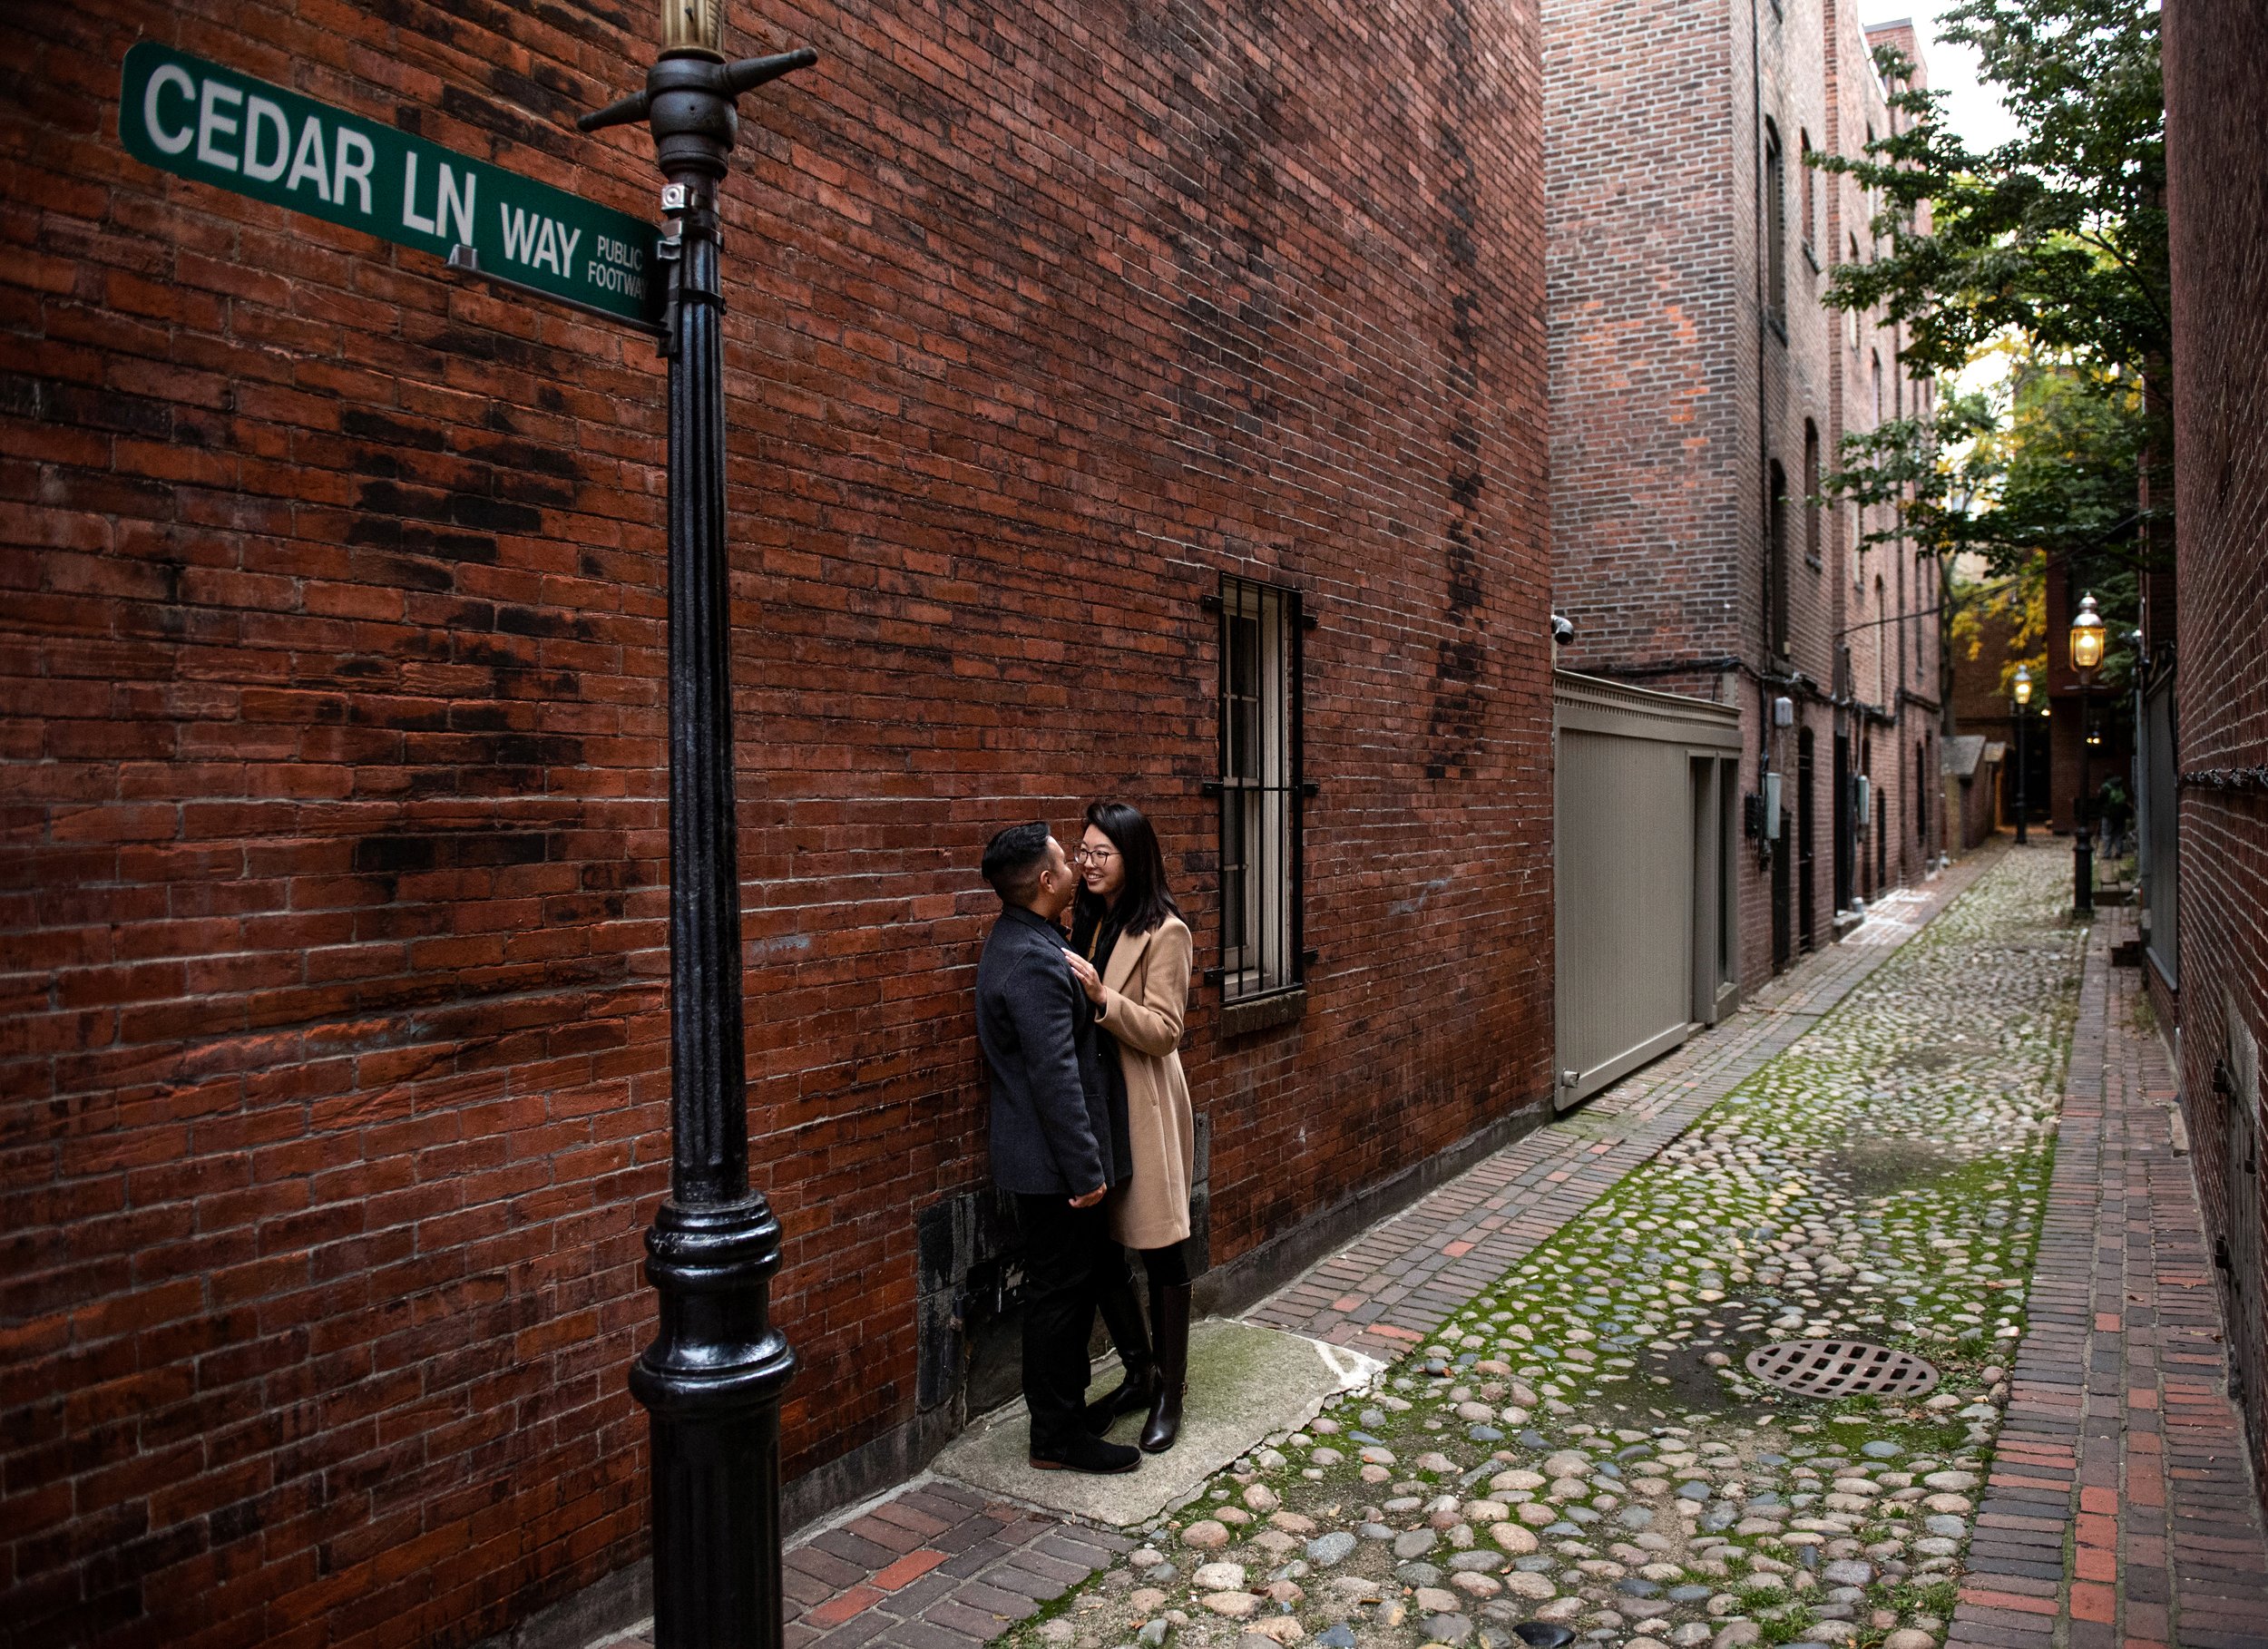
1063, 1248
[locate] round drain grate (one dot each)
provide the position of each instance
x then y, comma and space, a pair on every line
1841, 1367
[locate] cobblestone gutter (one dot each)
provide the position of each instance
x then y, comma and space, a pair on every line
1583, 1444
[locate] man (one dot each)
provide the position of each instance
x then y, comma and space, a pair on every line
1051, 1144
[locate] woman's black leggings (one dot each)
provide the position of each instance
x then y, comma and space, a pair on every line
1167, 1267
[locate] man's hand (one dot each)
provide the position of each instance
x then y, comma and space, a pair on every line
1090, 1199
1084, 972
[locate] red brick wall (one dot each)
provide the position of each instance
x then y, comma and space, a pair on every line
1671, 394
2216, 82
334, 1056
1653, 439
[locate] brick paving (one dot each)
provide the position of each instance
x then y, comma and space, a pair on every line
934, 1566
2120, 1514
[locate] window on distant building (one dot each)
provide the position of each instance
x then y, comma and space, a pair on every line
1774, 225
1878, 387
1854, 314
1813, 525
1866, 202
1882, 653
1776, 566
1804, 153
1921, 792
1899, 596
1259, 789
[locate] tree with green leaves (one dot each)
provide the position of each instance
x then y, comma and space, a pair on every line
2051, 248
2057, 237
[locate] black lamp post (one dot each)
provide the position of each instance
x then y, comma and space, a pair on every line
2087, 658
2023, 706
713, 1378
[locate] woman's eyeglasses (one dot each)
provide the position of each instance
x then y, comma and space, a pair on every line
1093, 855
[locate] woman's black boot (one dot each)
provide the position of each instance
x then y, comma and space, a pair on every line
1122, 1316
1169, 1317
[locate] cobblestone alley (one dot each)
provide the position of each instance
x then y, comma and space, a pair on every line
1949, 1137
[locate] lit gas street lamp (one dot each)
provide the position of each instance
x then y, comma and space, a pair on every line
2087, 638
713, 1378
2087, 643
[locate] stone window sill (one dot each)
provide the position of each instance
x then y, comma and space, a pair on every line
1254, 1014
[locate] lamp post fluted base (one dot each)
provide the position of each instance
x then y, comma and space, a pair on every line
712, 1382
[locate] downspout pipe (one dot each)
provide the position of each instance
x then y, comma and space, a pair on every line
1763, 435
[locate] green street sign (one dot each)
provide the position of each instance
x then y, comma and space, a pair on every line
212, 124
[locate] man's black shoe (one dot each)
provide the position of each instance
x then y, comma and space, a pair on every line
1088, 1454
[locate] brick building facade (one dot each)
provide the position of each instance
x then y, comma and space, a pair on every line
2216, 83
334, 1060
1699, 387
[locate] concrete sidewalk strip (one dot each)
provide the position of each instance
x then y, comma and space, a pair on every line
1246, 1382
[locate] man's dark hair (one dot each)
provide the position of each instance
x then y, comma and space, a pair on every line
1013, 860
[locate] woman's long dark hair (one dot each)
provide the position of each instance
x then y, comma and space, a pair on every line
1143, 900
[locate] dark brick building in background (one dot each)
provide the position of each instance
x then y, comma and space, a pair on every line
1699, 387
1983, 707
333, 1053
2066, 714
2216, 84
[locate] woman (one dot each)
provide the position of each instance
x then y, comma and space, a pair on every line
1131, 952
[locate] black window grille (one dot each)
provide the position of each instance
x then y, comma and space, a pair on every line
1813, 533
1804, 156
1260, 788
1775, 565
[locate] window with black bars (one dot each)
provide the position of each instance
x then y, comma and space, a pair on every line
1260, 788
1776, 595
1774, 226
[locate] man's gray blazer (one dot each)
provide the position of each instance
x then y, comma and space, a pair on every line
1052, 1131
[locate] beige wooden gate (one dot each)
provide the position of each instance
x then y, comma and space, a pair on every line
1646, 827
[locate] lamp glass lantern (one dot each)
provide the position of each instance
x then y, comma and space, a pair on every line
2087, 639
2023, 685
693, 28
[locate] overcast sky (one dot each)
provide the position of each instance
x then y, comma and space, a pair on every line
1975, 111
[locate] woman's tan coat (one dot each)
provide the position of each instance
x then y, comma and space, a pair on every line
1145, 994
